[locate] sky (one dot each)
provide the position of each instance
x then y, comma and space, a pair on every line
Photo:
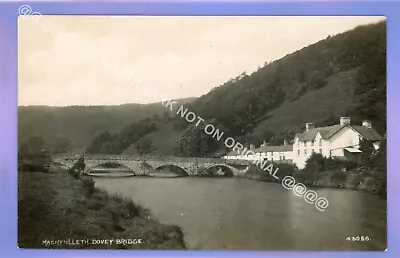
72, 60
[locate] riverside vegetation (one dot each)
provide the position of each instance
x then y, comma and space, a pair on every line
56, 205
369, 175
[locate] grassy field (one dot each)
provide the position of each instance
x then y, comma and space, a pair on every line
55, 206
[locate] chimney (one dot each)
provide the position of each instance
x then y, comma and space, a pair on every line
367, 123
264, 144
252, 147
309, 126
284, 142
344, 120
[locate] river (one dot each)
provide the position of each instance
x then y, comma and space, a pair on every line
243, 214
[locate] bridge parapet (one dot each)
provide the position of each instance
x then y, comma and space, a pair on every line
143, 158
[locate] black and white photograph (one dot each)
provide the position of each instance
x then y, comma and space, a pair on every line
202, 132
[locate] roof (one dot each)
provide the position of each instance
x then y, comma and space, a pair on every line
266, 148
234, 153
368, 133
353, 150
328, 131
269, 148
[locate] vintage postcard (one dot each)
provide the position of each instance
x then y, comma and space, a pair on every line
201, 133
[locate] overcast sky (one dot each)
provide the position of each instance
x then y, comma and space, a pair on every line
179, 56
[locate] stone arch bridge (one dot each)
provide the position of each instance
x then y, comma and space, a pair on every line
150, 164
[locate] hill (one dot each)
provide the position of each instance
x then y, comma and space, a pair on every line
75, 126
342, 75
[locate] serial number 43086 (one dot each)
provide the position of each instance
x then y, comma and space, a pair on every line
358, 238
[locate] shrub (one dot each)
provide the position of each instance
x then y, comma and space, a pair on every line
79, 165
285, 170
89, 185
255, 172
74, 173
117, 198
338, 176
134, 209
315, 165
355, 179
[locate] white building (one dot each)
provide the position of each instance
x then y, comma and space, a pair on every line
283, 153
339, 141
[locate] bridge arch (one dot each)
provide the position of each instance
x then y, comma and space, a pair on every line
233, 171
186, 172
89, 169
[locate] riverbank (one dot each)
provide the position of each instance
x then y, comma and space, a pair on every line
357, 179
55, 206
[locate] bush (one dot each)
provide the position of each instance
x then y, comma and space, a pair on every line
255, 172
285, 170
74, 173
89, 185
338, 176
134, 209
355, 179
315, 166
79, 165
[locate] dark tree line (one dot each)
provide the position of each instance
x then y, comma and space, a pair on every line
118, 142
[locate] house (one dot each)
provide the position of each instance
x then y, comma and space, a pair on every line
338, 141
282, 153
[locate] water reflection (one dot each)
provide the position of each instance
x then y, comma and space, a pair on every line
234, 213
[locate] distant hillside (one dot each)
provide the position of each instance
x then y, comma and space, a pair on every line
342, 75
163, 141
79, 124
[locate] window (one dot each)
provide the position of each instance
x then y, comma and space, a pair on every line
320, 151
283, 157
298, 143
298, 152
320, 142
305, 152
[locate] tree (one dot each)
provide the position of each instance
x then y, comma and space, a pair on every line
35, 145
367, 149
166, 116
314, 166
144, 145
196, 143
80, 164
